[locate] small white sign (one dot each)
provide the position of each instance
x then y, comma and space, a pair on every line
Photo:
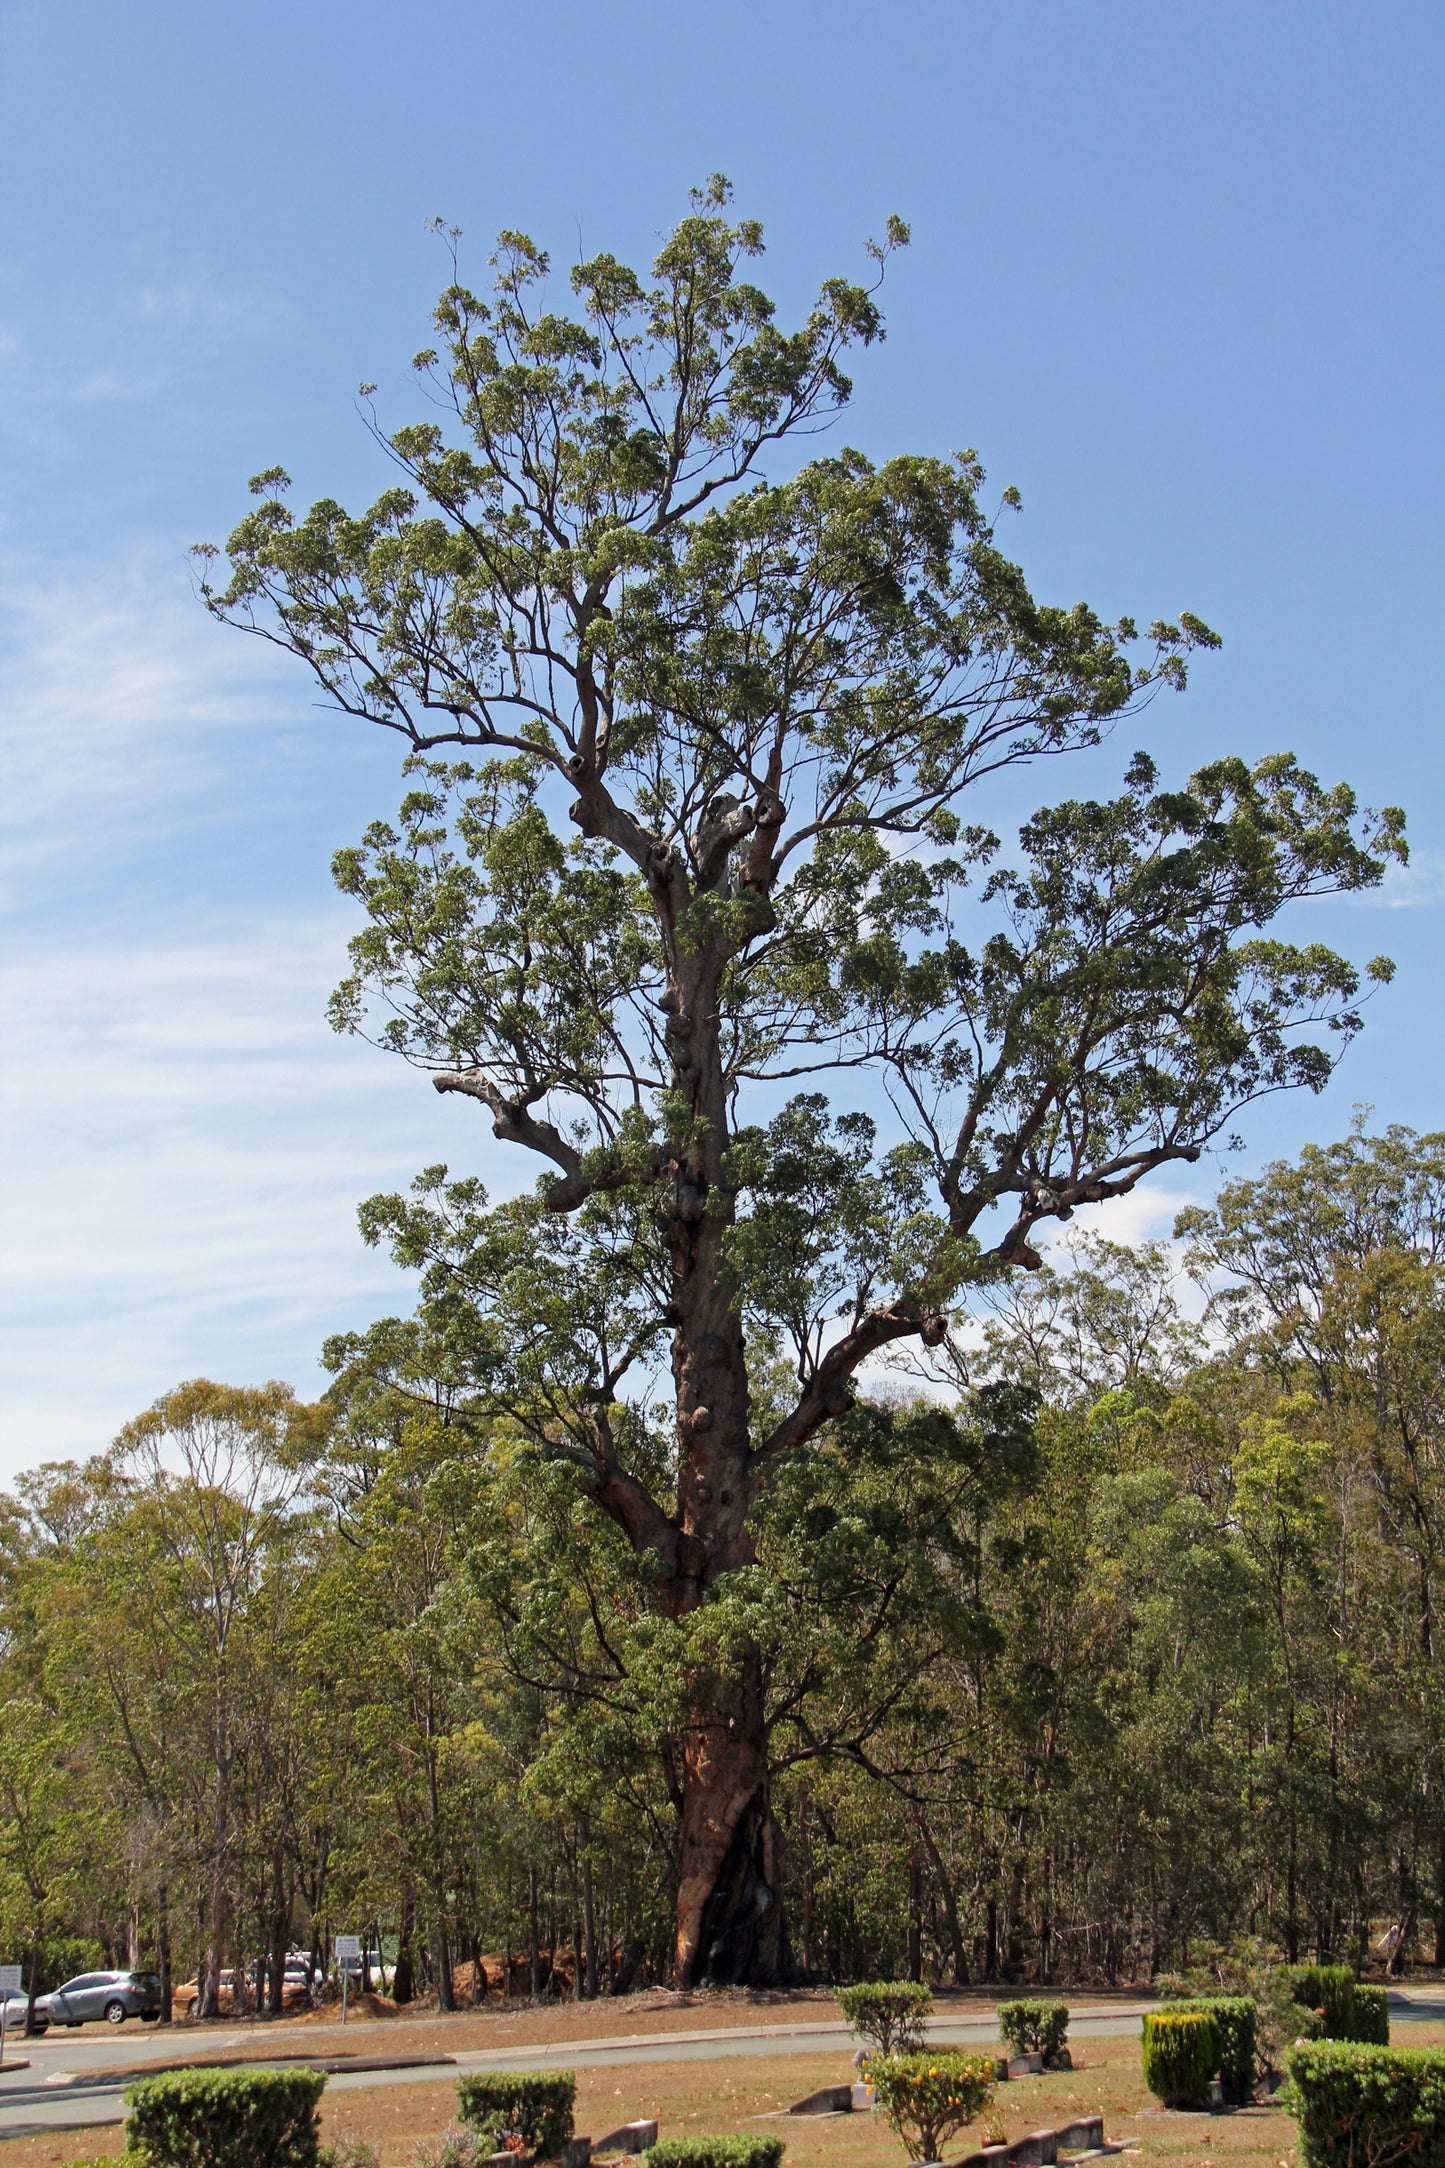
348, 1950
11, 1980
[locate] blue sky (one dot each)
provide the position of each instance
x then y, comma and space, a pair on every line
1176, 273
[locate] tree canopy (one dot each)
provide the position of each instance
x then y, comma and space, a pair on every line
723, 722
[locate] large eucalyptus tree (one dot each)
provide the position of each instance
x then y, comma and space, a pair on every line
721, 719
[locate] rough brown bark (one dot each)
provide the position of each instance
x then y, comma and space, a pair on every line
731, 1926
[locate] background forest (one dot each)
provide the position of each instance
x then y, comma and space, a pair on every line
1109, 1634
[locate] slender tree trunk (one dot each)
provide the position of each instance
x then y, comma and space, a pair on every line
1014, 1953
446, 1993
915, 1915
949, 1895
403, 1979
280, 1934
210, 1983
163, 1936
534, 1946
589, 1912
31, 2028
210, 1997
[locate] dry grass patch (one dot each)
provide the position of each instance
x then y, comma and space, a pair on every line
733, 2093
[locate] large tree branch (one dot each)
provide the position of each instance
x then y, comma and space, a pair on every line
581, 1178
1041, 1200
511, 1122
826, 1395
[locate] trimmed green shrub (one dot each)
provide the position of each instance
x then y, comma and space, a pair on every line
1359, 2104
715, 2153
929, 2098
536, 2104
1330, 1989
128, 2159
226, 2118
1372, 2016
888, 2013
1034, 2028
1237, 2021
1181, 2054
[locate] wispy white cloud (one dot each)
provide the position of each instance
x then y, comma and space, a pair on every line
186, 1140
200, 311
133, 347
1409, 888
114, 686
187, 1143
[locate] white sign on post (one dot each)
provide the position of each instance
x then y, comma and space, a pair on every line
348, 1957
10, 1984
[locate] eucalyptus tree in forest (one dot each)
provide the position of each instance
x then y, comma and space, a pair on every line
714, 826
217, 1471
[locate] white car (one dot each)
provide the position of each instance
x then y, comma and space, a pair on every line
16, 2008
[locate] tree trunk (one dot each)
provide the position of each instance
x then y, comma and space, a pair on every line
730, 1925
280, 1934
210, 1994
163, 1934
210, 1981
31, 2028
403, 1978
446, 1995
949, 1895
915, 1915
589, 1914
534, 1946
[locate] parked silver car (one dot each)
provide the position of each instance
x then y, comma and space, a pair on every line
115, 1996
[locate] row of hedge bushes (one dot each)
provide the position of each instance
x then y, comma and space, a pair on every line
1357, 2101
268, 2119
1331, 2004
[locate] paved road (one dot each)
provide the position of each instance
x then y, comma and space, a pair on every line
65, 2090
